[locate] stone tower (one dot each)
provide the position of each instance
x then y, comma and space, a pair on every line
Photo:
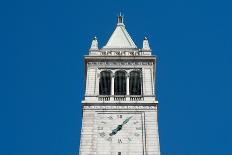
120, 105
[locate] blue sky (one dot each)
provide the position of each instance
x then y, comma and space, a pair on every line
41, 61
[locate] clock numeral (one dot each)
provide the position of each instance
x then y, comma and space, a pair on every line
138, 128
129, 139
136, 122
109, 139
119, 141
100, 128
136, 134
119, 116
110, 117
102, 134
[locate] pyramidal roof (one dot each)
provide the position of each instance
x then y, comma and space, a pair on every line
120, 37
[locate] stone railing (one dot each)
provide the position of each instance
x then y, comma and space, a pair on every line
136, 98
120, 98
104, 98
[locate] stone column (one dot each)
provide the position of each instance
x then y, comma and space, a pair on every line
112, 84
127, 84
96, 91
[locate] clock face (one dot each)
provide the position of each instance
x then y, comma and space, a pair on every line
120, 133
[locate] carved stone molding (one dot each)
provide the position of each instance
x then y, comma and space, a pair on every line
113, 70
120, 53
119, 63
120, 107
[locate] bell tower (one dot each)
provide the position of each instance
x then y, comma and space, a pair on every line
120, 106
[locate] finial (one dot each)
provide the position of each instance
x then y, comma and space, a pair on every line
120, 18
146, 46
94, 45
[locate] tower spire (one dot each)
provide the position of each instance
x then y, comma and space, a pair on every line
120, 37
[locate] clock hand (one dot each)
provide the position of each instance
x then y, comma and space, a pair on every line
119, 127
126, 120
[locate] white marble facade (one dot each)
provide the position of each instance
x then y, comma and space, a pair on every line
120, 124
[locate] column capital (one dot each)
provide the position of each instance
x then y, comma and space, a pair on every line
127, 74
112, 75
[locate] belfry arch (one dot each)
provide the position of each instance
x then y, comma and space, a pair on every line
105, 83
135, 83
120, 83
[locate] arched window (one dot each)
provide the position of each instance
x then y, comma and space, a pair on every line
105, 83
120, 83
135, 83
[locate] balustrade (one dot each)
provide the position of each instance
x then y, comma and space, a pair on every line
120, 98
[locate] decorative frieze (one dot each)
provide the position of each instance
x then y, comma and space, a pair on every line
120, 107
120, 53
120, 63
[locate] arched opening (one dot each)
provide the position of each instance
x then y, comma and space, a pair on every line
120, 83
105, 83
135, 83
